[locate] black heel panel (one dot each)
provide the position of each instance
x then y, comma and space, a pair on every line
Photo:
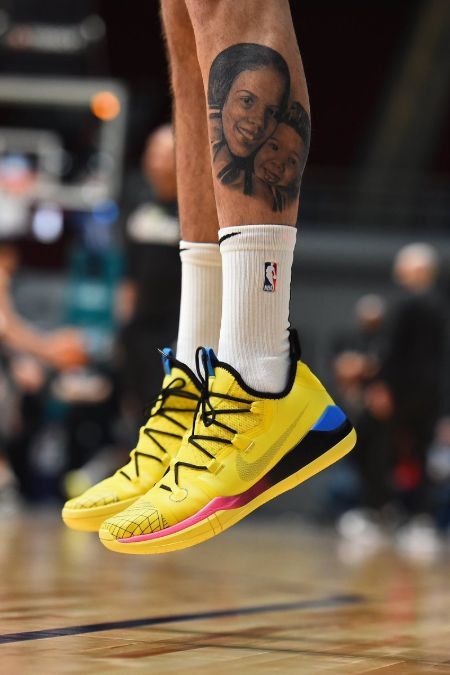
312, 446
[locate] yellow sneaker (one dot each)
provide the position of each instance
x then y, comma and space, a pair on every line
159, 441
246, 448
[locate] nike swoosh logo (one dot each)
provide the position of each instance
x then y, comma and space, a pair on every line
227, 236
251, 470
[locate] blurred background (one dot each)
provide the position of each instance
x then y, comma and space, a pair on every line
89, 232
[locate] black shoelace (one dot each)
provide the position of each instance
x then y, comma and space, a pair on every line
175, 388
208, 414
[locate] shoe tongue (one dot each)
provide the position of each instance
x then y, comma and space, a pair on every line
219, 378
210, 361
167, 354
222, 382
225, 383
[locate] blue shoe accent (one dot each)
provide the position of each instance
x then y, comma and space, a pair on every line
331, 419
166, 353
211, 360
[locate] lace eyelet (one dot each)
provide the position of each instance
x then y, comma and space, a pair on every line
214, 466
179, 495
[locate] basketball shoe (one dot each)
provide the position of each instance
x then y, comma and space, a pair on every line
246, 448
159, 441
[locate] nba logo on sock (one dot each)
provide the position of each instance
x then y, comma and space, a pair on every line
270, 277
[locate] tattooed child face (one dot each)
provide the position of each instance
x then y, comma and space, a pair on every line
249, 112
280, 160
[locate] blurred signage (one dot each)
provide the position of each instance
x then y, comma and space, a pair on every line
49, 37
61, 149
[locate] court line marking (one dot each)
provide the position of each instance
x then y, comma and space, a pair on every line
322, 603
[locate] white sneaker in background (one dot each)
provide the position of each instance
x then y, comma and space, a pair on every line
418, 539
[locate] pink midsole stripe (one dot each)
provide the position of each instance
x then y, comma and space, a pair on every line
216, 504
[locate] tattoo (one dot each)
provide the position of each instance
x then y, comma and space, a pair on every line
260, 137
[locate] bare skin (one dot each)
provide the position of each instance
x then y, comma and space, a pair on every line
197, 206
246, 111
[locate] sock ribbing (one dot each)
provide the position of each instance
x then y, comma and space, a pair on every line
201, 299
256, 268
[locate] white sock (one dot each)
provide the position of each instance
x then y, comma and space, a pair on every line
256, 268
201, 299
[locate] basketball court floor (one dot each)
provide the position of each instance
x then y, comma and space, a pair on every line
265, 597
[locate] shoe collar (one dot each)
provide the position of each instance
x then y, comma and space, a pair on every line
211, 363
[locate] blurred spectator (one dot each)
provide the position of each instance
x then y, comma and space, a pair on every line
60, 349
357, 354
25, 355
414, 367
149, 299
401, 406
355, 366
413, 373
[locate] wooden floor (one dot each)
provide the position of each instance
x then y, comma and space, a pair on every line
261, 598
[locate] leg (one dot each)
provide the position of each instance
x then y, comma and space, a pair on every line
197, 207
264, 423
259, 137
201, 285
258, 107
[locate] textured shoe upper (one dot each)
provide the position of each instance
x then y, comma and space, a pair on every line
238, 436
159, 440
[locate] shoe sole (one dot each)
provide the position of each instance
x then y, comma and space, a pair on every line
90, 520
184, 535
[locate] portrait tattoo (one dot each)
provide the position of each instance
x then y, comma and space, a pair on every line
260, 137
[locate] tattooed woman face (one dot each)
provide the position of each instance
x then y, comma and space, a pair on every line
259, 134
250, 110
